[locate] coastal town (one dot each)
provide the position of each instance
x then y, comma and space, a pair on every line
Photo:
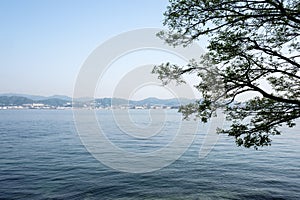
69, 106
19, 103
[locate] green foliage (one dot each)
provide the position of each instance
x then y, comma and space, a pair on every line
250, 43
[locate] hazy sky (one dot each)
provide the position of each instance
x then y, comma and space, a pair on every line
43, 44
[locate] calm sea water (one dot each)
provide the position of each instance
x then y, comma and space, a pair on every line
42, 157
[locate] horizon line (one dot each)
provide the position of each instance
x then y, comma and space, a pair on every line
71, 97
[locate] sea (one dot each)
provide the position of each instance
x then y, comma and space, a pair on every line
43, 156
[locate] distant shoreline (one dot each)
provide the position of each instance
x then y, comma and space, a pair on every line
24, 102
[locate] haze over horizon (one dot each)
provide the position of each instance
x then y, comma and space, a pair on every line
44, 43
59, 96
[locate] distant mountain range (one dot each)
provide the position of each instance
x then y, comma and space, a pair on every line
10, 99
21, 101
37, 97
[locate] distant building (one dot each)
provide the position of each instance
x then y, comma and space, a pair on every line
38, 105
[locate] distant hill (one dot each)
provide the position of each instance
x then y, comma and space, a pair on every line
32, 97
19, 101
14, 101
111, 101
149, 101
54, 102
37, 97
62, 97
60, 100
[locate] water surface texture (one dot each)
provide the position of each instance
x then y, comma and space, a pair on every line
42, 157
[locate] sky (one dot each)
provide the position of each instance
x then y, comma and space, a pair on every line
43, 44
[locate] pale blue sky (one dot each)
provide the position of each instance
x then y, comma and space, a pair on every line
44, 43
